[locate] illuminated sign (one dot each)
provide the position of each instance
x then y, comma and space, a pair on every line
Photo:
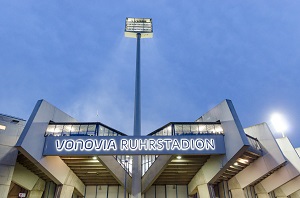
131, 145
22, 194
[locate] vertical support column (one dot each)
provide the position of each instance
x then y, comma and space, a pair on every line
237, 193
260, 191
38, 189
279, 193
203, 191
235, 188
295, 194
65, 191
137, 161
6, 173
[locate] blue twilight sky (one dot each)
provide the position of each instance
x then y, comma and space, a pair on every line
74, 55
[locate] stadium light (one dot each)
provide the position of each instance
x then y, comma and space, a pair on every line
135, 26
279, 123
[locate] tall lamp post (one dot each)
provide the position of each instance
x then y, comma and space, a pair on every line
137, 28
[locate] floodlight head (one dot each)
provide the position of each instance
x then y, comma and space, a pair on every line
142, 26
279, 123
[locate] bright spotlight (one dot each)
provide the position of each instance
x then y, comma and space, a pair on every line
279, 123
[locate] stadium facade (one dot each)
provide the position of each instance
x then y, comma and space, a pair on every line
53, 155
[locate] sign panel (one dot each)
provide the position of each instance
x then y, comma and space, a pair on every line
22, 194
133, 145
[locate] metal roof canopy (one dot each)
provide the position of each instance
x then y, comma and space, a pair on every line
142, 26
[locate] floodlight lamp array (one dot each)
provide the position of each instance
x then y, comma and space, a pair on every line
142, 26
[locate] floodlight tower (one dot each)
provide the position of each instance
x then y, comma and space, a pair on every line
137, 28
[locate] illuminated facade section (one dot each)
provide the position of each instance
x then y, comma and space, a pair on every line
142, 145
128, 146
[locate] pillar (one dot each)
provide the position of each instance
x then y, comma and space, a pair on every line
279, 193
295, 194
6, 173
38, 189
203, 191
235, 188
261, 191
66, 191
71, 182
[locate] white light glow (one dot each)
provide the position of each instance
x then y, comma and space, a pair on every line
244, 161
2, 127
279, 123
178, 157
94, 158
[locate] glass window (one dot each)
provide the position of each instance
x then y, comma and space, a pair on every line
194, 129
202, 128
83, 129
186, 128
218, 128
91, 129
210, 128
50, 129
58, 128
178, 129
75, 129
67, 128
101, 130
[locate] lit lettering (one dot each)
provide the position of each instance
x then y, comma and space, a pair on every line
133, 144
199, 144
176, 145
124, 144
210, 144
136, 145
152, 144
60, 145
185, 144
112, 145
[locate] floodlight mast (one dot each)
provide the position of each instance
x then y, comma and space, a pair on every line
137, 28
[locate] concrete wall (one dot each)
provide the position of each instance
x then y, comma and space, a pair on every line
235, 141
272, 156
298, 151
24, 177
8, 153
285, 173
35, 129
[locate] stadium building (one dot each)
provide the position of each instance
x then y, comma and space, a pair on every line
54, 155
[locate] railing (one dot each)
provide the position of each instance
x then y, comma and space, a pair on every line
188, 128
147, 161
254, 143
81, 129
126, 162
